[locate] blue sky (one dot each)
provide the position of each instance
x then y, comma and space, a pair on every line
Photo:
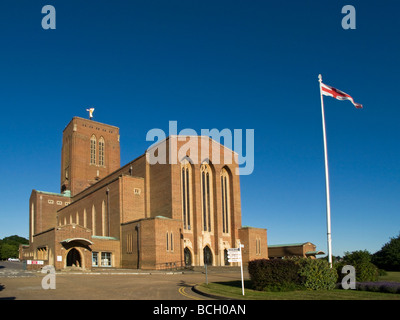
215, 64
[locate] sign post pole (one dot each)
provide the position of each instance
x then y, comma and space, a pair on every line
235, 255
241, 266
205, 265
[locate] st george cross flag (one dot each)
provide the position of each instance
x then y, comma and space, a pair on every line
337, 94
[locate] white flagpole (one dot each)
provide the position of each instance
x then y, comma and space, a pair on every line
328, 202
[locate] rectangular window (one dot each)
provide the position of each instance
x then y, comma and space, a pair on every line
106, 259
95, 259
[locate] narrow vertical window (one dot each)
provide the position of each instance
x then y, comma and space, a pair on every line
103, 218
101, 151
93, 221
93, 150
206, 197
208, 201
185, 194
129, 243
184, 197
188, 197
223, 203
32, 221
171, 243
84, 218
95, 259
225, 200
204, 201
256, 246
167, 241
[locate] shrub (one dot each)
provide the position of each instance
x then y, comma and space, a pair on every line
388, 287
274, 275
317, 275
361, 261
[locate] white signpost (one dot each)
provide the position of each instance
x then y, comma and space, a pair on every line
235, 255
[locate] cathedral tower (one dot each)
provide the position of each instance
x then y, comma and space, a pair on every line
90, 151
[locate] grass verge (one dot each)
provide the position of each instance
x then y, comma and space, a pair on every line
391, 276
233, 289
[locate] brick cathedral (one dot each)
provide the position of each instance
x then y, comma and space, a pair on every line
140, 215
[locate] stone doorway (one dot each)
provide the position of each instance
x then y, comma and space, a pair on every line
74, 258
208, 257
188, 257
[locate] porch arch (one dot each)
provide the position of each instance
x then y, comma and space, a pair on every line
74, 258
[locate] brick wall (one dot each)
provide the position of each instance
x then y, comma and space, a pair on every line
43, 207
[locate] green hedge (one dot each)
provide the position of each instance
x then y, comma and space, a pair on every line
291, 274
274, 275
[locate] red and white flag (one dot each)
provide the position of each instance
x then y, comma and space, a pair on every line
337, 94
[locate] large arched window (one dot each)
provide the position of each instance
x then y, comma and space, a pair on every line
186, 183
225, 197
206, 195
93, 149
101, 151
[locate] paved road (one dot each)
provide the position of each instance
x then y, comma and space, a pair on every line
16, 283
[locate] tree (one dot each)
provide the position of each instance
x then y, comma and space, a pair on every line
388, 258
8, 251
9, 246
